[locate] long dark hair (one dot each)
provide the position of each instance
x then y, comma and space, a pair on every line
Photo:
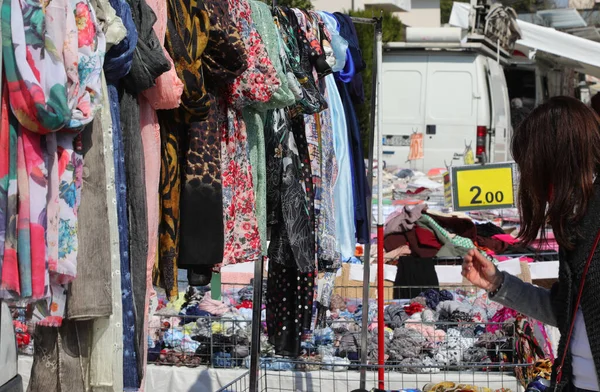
557, 149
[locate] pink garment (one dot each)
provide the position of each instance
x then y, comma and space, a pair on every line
167, 92
212, 306
151, 142
499, 318
509, 239
428, 331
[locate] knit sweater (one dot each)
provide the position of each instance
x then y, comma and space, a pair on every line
556, 306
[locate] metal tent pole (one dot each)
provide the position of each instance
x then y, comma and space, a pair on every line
380, 260
367, 253
256, 325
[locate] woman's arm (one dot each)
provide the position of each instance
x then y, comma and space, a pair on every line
535, 302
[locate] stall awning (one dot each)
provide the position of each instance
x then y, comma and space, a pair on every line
571, 51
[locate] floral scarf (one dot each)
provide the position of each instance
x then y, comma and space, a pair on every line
53, 61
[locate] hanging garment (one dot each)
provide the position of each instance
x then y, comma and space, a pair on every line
338, 43
116, 66
10, 281
342, 192
148, 64
133, 152
201, 243
262, 83
90, 295
186, 39
263, 21
202, 200
308, 98
310, 44
131, 377
328, 253
290, 284
166, 94
259, 80
61, 357
106, 359
111, 25
354, 78
325, 37
242, 240
254, 121
359, 175
5, 148
255, 116
225, 57
257, 84
416, 147
50, 164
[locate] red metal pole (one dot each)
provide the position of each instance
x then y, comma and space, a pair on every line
380, 303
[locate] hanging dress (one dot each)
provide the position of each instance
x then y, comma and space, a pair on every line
116, 66
186, 40
258, 83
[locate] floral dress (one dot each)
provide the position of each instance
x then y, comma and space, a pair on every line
257, 84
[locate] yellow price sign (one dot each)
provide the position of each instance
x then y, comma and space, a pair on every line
483, 187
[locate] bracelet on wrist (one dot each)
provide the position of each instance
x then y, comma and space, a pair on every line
494, 292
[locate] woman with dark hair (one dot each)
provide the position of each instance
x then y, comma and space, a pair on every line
595, 104
557, 150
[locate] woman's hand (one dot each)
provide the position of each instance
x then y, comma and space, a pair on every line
481, 272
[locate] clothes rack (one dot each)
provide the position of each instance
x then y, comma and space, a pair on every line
377, 24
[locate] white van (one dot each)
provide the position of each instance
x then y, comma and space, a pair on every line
454, 93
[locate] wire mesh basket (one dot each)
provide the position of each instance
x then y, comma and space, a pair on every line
219, 342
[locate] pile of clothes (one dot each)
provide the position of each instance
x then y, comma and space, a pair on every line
425, 233
437, 330
410, 185
202, 331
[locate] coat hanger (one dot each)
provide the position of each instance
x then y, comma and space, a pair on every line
448, 166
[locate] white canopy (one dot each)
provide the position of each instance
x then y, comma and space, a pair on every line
571, 51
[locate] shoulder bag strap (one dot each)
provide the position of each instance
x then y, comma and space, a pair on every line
559, 372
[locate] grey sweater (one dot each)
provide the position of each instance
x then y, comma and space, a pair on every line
535, 302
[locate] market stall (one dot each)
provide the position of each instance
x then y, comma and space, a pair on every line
184, 191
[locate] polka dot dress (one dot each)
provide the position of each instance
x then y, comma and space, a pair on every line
291, 279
